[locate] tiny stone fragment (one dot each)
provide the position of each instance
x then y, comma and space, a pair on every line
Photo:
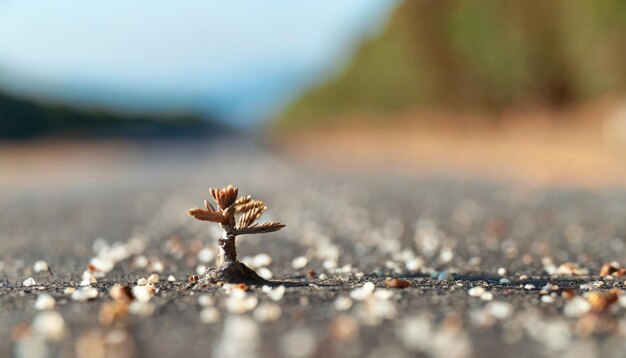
84, 294
121, 293
397, 283
267, 312
44, 301
209, 315
299, 262
40, 266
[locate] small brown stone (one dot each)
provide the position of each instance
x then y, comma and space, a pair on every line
601, 301
568, 293
397, 283
193, 278
121, 293
112, 312
310, 275
608, 269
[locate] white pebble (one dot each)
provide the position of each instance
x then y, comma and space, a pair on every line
88, 279
200, 269
29, 282
414, 264
140, 261
171, 278
342, 303
206, 255
265, 273
576, 307
547, 299
361, 293
44, 301
40, 266
154, 278
487, 296
205, 300
501, 271
143, 293
299, 343
267, 312
261, 260
141, 308
84, 294
156, 266
500, 310
50, 325
299, 262
69, 290
239, 302
209, 315
383, 294
476, 291
142, 282
276, 294
529, 286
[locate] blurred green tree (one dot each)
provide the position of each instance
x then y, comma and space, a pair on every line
479, 54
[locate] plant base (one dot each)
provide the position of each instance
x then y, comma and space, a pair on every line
231, 272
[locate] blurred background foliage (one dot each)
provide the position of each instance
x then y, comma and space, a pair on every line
477, 55
24, 118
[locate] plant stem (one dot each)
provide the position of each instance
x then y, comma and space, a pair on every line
228, 250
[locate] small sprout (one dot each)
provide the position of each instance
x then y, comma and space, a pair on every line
236, 216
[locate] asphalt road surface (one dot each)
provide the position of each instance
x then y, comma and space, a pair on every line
492, 269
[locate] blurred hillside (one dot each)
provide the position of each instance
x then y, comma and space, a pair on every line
25, 118
486, 55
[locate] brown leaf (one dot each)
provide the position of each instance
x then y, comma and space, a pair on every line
206, 215
254, 204
259, 229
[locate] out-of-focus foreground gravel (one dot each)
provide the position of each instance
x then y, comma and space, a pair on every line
492, 270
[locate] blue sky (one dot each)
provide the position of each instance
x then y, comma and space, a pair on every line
240, 59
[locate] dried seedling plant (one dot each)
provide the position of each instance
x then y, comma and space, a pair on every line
236, 216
